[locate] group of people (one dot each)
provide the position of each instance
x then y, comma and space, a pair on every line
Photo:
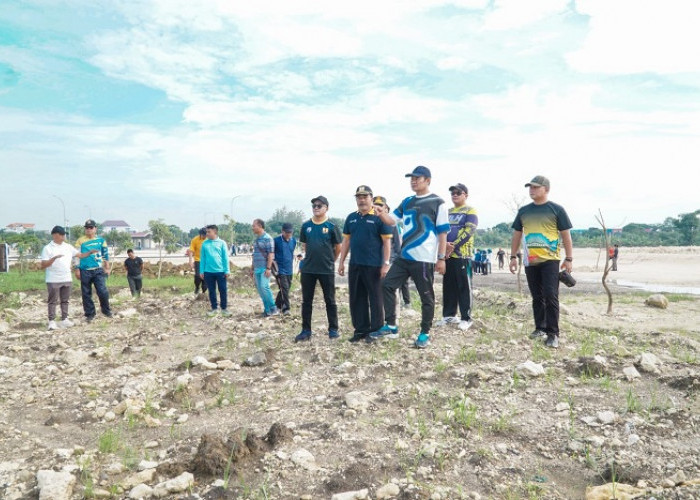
435, 238
89, 260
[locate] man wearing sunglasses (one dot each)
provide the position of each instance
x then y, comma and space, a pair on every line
93, 269
320, 240
456, 284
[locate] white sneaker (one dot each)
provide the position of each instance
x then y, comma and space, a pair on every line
447, 320
442, 322
66, 323
53, 325
465, 325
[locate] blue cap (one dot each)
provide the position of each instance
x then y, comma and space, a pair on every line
420, 171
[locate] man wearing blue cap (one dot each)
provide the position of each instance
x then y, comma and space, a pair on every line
426, 223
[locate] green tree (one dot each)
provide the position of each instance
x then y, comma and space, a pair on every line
119, 241
281, 215
164, 238
27, 245
687, 225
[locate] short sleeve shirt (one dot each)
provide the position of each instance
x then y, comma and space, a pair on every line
262, 247
95, 260
321, 239
133, 266
540, 225
366, 233
60, 270
196, 247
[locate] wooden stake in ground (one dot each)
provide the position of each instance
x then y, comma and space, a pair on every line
606, 240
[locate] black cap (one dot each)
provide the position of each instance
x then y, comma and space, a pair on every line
90, 223
58, 230
420, 171
320, 198
287, 227
460, 187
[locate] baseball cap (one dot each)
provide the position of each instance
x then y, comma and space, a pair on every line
459, 186
379, 200
90, 223
287, 227
537, 181
420, 171
58, 230
320, 198
363, 190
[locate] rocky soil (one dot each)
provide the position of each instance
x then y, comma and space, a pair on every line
163, 402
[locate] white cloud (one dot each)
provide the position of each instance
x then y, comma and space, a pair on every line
628, 36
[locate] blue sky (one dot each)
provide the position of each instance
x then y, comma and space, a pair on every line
136, 109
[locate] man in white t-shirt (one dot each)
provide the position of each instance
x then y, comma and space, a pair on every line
56, 258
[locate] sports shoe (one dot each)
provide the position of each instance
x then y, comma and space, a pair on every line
447, 320
53, 325
465, 325
286, 313
422, 341
537, 334
89, 319
552, 341
385, 332
225, 313
358, 337
333, 334
304, 335
275, 312
66, 323
212, 313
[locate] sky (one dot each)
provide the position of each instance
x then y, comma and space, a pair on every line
186, 111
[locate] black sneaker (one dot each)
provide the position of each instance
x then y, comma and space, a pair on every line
552, 341
304, 335
358, 337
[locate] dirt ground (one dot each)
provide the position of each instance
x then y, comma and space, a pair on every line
161, 391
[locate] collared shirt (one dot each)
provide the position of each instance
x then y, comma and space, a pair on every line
263, 246
284, 254
60, 270
463, 222
95, 260
366, 233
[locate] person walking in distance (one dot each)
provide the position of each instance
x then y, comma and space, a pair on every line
321, 240
93, 270
134, 273
368, 240
425, 240
542, 227
214, 269
56, 258
456, 284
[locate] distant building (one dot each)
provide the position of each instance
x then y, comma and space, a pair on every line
116, 225
19, 227
142, 241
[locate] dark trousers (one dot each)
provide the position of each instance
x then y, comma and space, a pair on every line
366, 304
284, 282
198, 279
308, 288
457, 289
405, 293
58, 292
135, 284
214, 280
422, 274
97, 277
543, 281
614, 263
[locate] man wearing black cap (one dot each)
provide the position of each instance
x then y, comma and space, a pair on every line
321, 240
194, 254
93, 270
456, 284
368, 240
425, 239
56, 258
545, 226
285, 244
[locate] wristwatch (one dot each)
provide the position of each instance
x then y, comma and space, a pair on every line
387, 262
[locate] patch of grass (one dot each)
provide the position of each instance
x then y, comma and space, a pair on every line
130, 458
464, 413
109, 441
503, 423
632, 402
467, 355
680, 297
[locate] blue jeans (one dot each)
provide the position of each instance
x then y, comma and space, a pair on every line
214, 280
97, 277
262, 283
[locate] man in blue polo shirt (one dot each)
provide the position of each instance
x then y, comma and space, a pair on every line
368, 240
285, 244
